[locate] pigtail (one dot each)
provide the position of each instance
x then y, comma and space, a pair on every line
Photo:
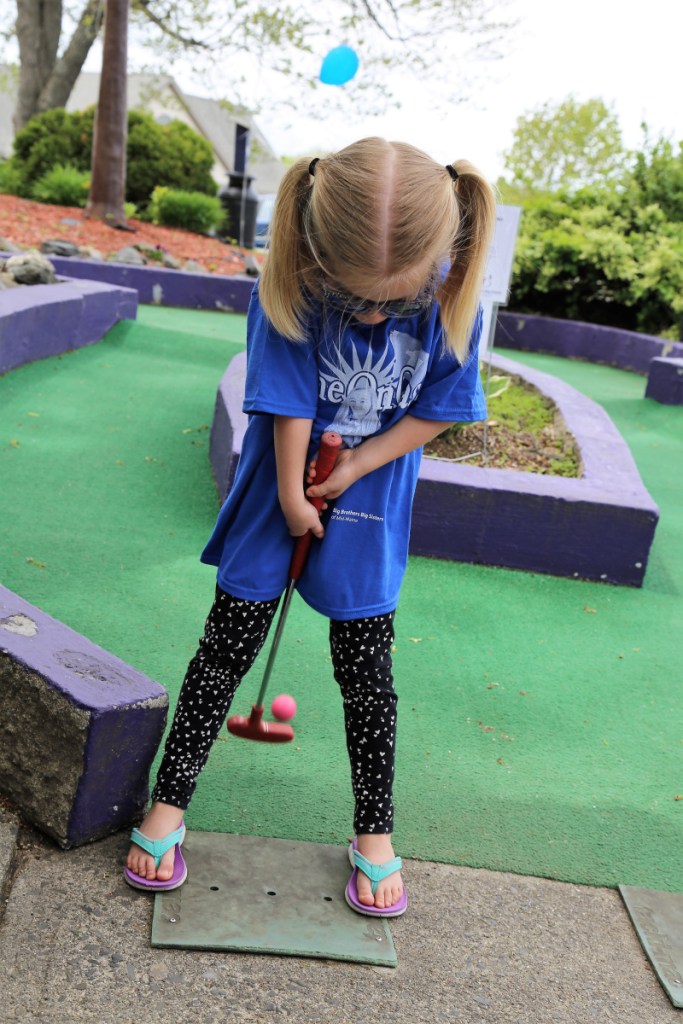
288, 275
459, 294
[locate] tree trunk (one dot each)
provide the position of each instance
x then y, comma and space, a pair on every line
108, 177
45, 81
63, 74
38, 27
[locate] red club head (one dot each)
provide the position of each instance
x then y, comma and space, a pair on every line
254, 728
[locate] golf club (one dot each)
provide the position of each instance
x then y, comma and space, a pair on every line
253, 727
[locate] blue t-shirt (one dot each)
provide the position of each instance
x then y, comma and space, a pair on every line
358, 380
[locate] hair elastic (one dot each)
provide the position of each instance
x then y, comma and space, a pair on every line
452, 171
311, 166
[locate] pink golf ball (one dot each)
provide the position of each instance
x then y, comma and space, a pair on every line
283, 707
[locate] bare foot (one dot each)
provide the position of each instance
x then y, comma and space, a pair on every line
378, 850
159, 821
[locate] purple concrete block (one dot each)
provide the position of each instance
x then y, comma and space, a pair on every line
572, 339
78, 727
103, 306
665, 381
35, 321
599, 526
45, 320
162, 287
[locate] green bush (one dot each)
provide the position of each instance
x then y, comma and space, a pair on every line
172, 155
596, 257
64, 186
49, 139
193, 211
10, 179
609, 253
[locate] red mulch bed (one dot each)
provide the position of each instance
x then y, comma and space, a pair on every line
28, 224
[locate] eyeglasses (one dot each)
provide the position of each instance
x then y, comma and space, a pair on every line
343, 302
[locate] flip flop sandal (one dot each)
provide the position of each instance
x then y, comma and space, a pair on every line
157, 848
375, 872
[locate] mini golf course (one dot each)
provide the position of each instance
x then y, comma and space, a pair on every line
541, 728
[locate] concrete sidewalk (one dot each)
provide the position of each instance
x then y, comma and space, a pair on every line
475, 946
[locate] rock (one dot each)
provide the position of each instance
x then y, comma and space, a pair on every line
129, 254
31, 268
170, 262
60, 247
91, 253
194, 268
7, 245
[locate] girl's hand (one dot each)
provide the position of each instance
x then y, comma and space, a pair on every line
301, 517
340, 479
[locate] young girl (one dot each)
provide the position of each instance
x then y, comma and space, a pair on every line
365, 321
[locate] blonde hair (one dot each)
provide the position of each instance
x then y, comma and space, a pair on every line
377, 216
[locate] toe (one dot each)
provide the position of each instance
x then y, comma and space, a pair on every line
165, 869
141, 865
365, 891
388, 893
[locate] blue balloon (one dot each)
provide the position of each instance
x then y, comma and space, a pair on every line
339, 66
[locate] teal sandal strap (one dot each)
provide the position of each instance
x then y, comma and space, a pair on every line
376, 872
157, 847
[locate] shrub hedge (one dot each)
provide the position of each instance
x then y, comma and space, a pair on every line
194, 211
172, 155
606, 255
63, 185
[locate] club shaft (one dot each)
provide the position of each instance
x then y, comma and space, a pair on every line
276, 642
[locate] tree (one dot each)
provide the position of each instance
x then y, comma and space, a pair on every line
108, 171
611, 252
566, 146
658, 176
422, 38
46, 78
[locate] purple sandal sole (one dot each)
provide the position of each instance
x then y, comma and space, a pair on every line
153, 885
351, 895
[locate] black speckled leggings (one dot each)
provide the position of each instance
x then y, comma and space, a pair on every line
234, 634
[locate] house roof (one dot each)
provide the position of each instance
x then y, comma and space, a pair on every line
163, 97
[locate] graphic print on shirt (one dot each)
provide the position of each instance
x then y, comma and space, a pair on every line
363, 388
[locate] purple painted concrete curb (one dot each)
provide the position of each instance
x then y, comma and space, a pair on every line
665, 381
161, 287
126, 714
598, 527
44, 320
126, 711
572, 339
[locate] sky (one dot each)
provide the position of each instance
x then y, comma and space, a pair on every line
625, 53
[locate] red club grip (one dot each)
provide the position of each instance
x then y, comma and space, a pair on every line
330, 445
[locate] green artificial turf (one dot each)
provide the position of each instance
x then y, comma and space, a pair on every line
540, 719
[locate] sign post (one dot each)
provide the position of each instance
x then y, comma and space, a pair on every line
496, 288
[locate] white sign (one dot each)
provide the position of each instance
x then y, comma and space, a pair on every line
499, 267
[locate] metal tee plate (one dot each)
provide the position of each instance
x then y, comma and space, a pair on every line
658, 919
258, 895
